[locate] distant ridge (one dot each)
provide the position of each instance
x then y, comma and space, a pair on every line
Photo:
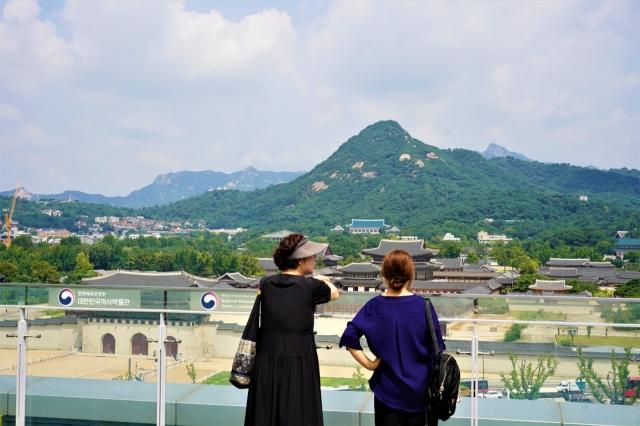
172, 187
494, 151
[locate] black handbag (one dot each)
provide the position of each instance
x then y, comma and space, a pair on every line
443, 381
246, 354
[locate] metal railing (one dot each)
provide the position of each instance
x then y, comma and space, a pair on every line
465, 308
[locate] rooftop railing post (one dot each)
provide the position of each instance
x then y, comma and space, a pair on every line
162, 370
21, 371
474, 376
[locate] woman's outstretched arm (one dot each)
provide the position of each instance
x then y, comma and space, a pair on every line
363, 359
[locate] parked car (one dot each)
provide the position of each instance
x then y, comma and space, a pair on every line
492, 394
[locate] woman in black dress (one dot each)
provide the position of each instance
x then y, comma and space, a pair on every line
285, 384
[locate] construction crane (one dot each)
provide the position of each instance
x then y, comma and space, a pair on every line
7, 217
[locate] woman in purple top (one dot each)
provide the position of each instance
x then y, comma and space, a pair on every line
395, 326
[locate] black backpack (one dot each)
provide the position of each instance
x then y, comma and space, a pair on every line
443, 381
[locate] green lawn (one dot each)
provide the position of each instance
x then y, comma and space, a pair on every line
335, 381
53, 312
222, 378
621, 341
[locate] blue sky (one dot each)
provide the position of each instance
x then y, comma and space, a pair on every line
103, 96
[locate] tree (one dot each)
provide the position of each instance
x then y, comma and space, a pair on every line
529, 266
524, 381
630, 289
83, 268
8, 269
319, 262
45, 272
109, 239
359, 383
100, 255
617, 262
589, 329
472, 258
191, 372
579, 287
71, 241
451, 250
632, 256
616, 380
514, 333
22, 241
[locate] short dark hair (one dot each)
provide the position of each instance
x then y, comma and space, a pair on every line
397, 269
282, 253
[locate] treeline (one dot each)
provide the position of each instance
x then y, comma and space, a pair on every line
70, 261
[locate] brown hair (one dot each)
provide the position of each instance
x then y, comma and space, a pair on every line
397, 269
282, 253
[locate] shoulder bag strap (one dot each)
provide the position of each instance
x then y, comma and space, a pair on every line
434, 338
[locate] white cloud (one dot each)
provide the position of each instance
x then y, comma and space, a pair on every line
554, 80
31, 53
9, 112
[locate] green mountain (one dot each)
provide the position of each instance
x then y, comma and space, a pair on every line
383, 172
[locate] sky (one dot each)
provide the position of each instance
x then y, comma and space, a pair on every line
103, 96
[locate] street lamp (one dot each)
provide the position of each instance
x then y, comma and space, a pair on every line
459, 352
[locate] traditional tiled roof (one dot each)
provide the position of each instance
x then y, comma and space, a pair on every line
465, 274
628, 275
471, 267
71, 319
278, 234
550, 285
440, 285
567, 262
628, 242
414, 248
134, 279
267, 264
359, 282
601, 265
227, 326
237, 277
476, 290
393, 229
423, 266
589, 280
359, 268
452, 263
367, 223
493, 284
327, 272
563, 272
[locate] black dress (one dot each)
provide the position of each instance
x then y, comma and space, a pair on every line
285, 384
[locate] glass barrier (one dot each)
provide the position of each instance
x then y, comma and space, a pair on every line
104, 336
103, 349
541, 363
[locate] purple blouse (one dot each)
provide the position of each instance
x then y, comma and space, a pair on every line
396, 332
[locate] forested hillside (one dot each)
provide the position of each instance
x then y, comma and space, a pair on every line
385, 173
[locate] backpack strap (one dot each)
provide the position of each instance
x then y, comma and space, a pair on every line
432, 329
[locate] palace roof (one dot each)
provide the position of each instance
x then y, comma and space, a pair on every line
367, 223
278, 234
550, 285
563, 272
414, 248
176, 279
359, 268
567, 262
267, 264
